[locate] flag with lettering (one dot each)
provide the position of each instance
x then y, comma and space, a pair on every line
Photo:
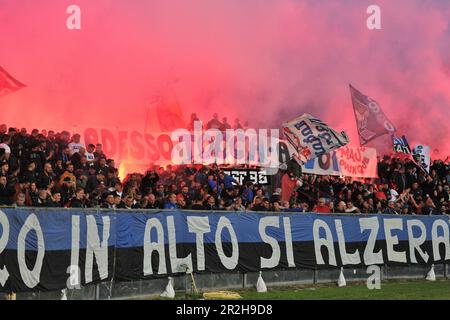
8, 84
401, 145
421, 155
370, 119
308, 137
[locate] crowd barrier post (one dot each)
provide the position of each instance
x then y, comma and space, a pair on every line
185, 285
244, 280
445, 271
97, 292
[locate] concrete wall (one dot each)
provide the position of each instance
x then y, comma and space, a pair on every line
235, 280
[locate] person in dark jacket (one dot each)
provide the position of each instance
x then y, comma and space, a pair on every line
211, 203
149, 181
399, 179
390, 208
79, 201
7, 192
46, 177
30, 174
43, 199
109, 202
198, 204
56, 201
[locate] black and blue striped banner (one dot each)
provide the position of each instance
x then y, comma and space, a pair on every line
54, 249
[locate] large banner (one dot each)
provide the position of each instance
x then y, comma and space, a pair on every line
137, 151
360, 162
55, 249
325, 165
40, 249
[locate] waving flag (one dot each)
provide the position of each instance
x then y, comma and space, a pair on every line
309, 138
370, 119
401, 145
8, 84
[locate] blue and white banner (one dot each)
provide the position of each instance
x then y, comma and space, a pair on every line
401, 145
360, 162
422, 156
54, 249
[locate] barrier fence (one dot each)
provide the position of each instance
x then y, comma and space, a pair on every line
111, 254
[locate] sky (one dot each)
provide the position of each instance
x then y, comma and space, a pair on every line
262, 61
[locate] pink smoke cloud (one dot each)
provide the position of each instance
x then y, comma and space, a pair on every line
265, 61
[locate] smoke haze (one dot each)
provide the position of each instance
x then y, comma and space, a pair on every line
262, 61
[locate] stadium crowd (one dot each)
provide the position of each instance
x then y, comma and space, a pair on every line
54, 169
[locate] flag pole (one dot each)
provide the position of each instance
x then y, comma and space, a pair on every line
354, 113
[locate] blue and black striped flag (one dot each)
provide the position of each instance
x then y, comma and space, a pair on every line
401, 145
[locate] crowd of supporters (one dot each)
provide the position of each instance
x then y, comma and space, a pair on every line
49, 169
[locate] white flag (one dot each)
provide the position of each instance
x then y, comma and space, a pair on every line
422, 156
310, 138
